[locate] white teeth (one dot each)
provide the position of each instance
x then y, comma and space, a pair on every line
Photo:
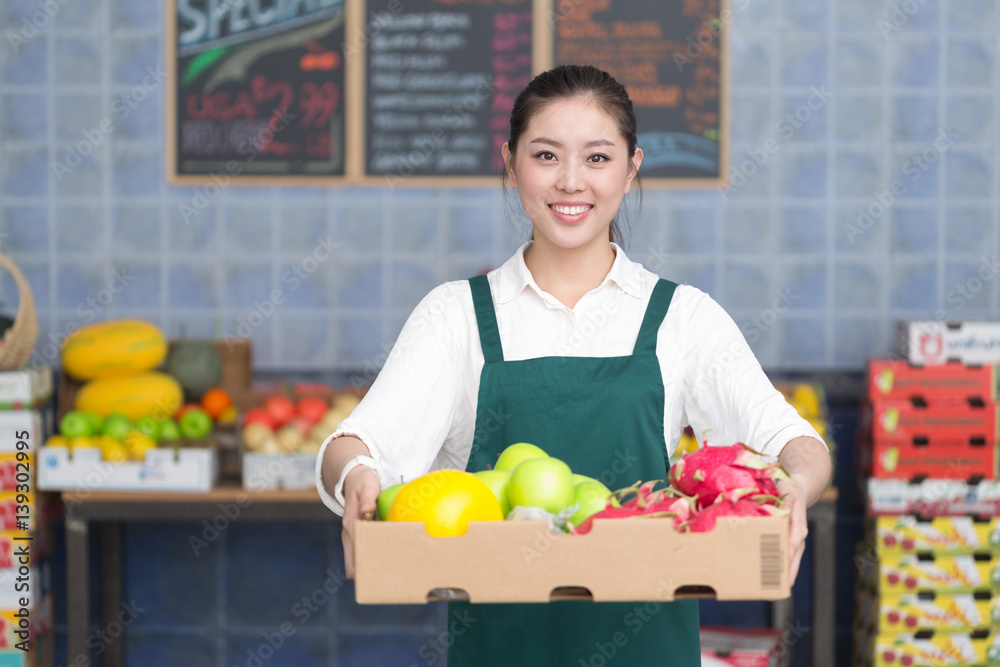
570, 210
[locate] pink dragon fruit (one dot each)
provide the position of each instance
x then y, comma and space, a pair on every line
704, 520
710, 472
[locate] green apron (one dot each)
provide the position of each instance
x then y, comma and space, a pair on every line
604, 417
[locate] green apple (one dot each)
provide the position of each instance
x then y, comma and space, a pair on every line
541, 482
195, 424
592, 497
150, 428
75, 424
96, 421
117, 426
384, 500
169, 430
514, 454
497, 481
579, 479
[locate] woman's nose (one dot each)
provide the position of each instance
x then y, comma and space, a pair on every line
570, 178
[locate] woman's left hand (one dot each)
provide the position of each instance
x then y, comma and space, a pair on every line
798, 526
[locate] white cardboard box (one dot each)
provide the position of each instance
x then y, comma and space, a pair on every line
290, 472
191, 469
26, 387
36, 422
933, 497
933, 342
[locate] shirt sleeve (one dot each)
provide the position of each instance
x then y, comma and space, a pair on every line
727, 396
407, 414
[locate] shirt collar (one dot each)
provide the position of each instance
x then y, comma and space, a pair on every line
514, 275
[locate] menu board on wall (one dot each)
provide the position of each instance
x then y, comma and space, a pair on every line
669, 57
440, 81
256, 89
419, 92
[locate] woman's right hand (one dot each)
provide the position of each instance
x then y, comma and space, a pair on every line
361, 489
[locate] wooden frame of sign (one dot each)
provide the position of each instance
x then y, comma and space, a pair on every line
360, 92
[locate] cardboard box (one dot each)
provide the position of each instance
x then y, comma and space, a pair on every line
523, 561
932, 573
290, 472
733, 647
932, 342
38, 423
888, 379
25, 388
958, 612
954, 424
940, 535
183, 469
905, 460
933, 497
941, 648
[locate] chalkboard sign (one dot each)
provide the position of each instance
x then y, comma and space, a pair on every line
440, 81
419, 92
669, 55
256, 89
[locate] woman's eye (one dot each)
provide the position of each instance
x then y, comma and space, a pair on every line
597, 158
545, 156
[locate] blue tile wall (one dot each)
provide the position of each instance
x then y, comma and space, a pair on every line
872, 100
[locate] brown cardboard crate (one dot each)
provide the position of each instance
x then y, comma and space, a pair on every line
618, 560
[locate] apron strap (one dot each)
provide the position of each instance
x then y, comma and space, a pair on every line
656, 310
486, 317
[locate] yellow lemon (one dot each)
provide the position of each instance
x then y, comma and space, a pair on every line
112, 450
446, 501
57, 441
137, 443
83, 441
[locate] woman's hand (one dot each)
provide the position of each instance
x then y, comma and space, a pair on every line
361, 489
798, 527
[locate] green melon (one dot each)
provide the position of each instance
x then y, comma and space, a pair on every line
197, 367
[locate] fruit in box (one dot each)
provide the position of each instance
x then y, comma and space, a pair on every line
135, 396
113, 348
514, 454
76, 423
446, 501
497, 481
286, 424
196, 365
385, 500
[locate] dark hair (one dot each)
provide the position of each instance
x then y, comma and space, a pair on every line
578, 82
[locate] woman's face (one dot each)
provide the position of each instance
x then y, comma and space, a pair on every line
571, 170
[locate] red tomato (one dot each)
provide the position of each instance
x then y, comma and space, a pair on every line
281, 409
258, 416
312, 408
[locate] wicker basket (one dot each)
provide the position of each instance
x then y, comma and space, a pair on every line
18, 342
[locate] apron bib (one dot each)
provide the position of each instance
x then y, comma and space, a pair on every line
604, 417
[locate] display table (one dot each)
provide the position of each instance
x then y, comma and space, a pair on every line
110, 510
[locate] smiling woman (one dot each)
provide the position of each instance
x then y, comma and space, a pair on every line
574, 348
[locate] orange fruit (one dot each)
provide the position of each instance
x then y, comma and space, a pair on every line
446, 501
215, 401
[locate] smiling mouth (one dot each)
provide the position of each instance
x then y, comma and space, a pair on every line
570, 210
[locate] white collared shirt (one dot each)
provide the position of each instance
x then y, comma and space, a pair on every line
420, 413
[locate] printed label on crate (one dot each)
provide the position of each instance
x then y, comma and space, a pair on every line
933, 384
901, 420
962, 612
16, 470
905, 460
951, 573
935, 342
937, 650
933, 497
17, 511
945, 534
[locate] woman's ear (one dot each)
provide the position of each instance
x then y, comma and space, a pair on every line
508, 165
636, 162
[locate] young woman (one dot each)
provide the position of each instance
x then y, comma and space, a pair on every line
570, 346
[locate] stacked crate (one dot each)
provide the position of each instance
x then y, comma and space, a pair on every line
26, 419
929, 569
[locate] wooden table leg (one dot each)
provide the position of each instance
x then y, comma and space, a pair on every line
77, 592
112, 587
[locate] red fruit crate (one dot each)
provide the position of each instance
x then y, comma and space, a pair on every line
890, 379
908, 461
960, 423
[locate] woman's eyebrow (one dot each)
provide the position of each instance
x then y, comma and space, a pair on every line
589, 144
